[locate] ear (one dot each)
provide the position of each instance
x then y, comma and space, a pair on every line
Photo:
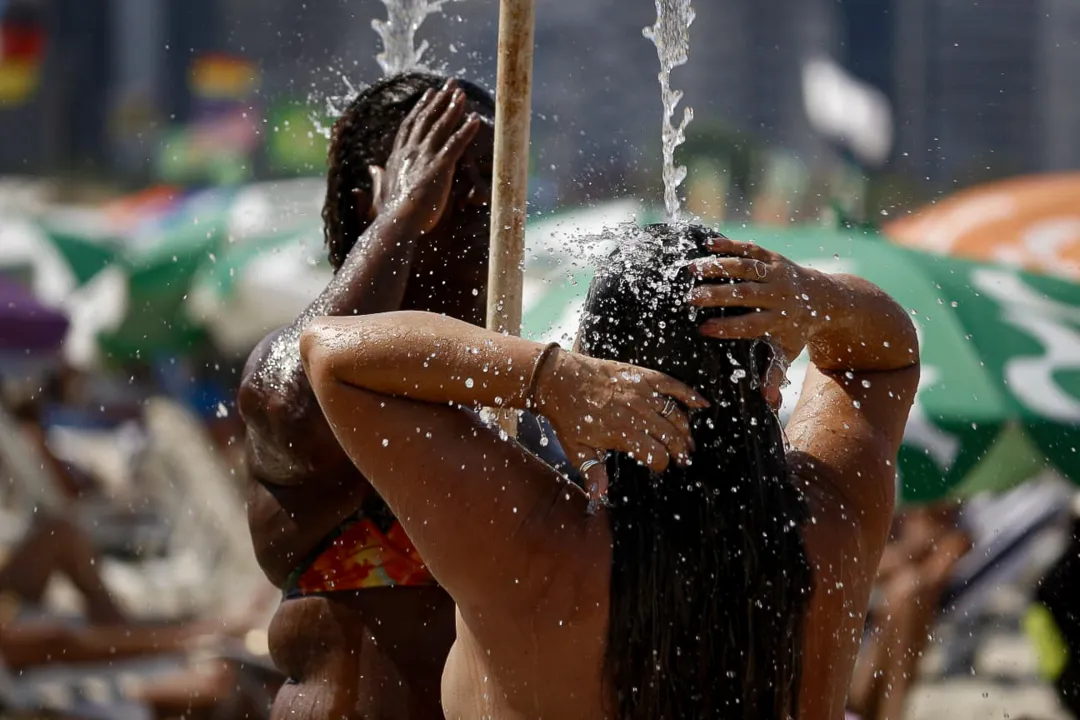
771, 388
368, 204
365, 208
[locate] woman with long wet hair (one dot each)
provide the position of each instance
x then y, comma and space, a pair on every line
710, 570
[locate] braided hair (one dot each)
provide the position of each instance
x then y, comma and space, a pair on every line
364, 136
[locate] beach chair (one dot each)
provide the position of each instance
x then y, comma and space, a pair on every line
1004, 530
1016, 536
102, 691
210, 562
65, 694
27, 488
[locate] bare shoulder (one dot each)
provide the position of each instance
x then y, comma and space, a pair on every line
268, 376
288, 440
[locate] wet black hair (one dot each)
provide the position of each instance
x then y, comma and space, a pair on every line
364, 136
710, 581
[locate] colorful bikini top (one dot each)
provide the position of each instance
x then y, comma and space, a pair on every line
369, 550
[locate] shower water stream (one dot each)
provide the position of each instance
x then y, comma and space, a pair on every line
671, 36
398, 33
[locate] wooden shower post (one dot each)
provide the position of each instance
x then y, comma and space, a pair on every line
509, 192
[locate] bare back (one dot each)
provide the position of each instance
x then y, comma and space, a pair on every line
531, 574
528, 568
553, 670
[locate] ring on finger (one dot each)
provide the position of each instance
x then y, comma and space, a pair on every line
669, 407
760, 269
588, 465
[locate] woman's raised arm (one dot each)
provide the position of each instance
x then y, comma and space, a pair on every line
846, 430
391, 386
848, 425
844, 434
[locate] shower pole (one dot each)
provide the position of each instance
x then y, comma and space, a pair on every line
509, 192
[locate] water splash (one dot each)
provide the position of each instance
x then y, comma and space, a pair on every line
671, 36
400, 53
398, 33
333, 106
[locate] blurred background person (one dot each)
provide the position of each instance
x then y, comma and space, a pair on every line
924, 547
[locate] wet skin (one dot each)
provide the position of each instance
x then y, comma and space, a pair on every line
529, 571
374, 653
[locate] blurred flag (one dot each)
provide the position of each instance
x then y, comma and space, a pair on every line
847, 110
219, 143
22, 48
222, 77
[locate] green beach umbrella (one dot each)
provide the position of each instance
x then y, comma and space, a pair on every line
255, 287
86, 256
265, 282
54, 259
1000, 392
158, 272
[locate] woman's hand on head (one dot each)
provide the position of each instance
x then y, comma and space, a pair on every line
779, 294
419, 174
596, 406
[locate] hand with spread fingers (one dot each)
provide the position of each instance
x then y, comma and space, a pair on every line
420, 171
779, 294
597, 406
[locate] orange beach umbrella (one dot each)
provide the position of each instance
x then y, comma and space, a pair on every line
1031, 222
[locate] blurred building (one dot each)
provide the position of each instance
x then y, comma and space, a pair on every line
1058, 92
986, 89
596, 95
68, 111
979, 89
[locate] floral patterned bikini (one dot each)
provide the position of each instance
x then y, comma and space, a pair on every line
369, 550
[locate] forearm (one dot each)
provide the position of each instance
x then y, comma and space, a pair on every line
859, 327
275, 397
372, 280
422, 356
36, 644
374, 275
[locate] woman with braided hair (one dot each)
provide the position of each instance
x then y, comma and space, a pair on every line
364, 630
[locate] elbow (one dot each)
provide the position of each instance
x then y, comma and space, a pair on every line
336, 351
911, 339
315, 355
